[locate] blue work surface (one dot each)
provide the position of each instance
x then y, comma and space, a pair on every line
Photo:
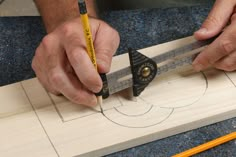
19, 37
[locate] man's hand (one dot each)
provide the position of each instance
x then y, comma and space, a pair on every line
62, 65
220, 54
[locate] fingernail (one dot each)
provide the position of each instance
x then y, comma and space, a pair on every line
202, 31
97, 89
103, 65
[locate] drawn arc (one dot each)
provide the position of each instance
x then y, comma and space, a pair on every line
146, 112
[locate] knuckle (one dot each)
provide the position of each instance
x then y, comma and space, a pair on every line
113, 42
226, 47
51, 90
47, 40
35, 60
33, 65
67, 29
54, 92
56, 79
47, 86
116, 34
42, 82
37, 54
117, 39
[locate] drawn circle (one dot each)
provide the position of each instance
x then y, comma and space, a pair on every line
159, 99
180, 90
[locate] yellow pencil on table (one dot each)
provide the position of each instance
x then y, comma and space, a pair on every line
88, 38
207, 145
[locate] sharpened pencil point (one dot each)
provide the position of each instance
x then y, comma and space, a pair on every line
99, 101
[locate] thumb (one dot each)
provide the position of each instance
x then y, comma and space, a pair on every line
216, 20
106, 43
104, 58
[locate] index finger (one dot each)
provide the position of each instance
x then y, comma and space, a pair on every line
218, 49
216, 20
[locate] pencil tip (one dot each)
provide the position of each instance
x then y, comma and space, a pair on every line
99, 101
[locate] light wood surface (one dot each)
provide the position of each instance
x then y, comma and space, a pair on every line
18, 8
36, 123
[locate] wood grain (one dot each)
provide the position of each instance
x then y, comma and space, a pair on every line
38, 123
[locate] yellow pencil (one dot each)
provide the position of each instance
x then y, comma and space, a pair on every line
88, 37
207, 145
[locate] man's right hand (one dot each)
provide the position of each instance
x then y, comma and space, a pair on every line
62, 65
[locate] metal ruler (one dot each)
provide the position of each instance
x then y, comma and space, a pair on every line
143, 70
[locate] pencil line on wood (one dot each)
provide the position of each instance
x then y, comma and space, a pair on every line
57, 110
40, 121
138, 115
230, 79
133, 127
204, 93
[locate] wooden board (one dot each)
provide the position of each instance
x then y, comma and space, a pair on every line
35, 122
18, 8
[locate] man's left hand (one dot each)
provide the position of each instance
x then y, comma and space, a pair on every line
220, 54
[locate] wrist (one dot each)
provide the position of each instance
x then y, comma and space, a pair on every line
92, 8
54, 13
